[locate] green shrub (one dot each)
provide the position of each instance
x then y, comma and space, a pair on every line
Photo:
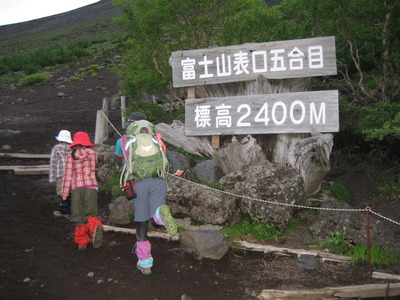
391, 189
47, 57
339, 192
111, 186
39, 78
375, 126
336, 242
5, 80
379, 256
252, 228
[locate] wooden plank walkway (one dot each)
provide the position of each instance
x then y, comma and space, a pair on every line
26, 170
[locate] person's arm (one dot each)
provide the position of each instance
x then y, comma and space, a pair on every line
177, 168
53, 165
119, 155
67, 178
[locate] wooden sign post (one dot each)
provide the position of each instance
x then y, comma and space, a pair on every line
279, 113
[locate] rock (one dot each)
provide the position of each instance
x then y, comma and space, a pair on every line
106, 161
120, 211
199, 202
9, 132
307, 262
275, 186
204, 244
208, 171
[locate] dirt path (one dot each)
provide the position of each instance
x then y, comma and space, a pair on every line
39, 260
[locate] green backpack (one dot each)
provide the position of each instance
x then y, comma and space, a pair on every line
143, 154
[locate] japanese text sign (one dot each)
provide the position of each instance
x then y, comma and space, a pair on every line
263, 114
274, 60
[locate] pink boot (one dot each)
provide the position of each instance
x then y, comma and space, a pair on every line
143, 252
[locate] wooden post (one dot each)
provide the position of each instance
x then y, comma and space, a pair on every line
101, 132
101, 128
191, 92
123, 107
368, 238
105, 106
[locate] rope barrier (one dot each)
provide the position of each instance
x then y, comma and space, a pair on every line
287, 204
112, 125
232, 194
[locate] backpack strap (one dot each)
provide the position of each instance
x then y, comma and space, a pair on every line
127, 166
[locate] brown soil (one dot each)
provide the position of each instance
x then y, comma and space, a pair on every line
39, 260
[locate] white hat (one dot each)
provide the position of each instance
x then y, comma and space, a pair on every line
64, 136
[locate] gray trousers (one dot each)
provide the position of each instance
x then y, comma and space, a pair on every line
151, 194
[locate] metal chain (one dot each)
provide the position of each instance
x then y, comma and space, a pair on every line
285, 204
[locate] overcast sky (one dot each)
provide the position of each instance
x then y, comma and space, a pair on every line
16, 11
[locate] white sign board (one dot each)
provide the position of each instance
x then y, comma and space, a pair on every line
263, 114
274, 60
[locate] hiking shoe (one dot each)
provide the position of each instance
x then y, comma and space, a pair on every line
98, 236
169, 222
144, 271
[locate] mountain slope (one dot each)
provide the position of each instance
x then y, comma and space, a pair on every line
80, 24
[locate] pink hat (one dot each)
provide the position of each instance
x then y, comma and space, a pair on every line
81, 138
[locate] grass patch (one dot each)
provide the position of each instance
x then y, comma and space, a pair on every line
339, 192
252, 228
111, 186
34, 79
379, 256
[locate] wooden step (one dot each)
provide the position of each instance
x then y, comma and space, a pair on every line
27, 170
24, 155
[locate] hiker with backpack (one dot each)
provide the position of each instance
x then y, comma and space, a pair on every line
144, 158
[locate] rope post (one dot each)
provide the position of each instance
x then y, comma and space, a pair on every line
367, 209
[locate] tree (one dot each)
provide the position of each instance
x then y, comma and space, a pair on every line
366, 31
156, 28
367, 41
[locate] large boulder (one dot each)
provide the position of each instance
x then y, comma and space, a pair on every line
268, 190
106, 161
201, 203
